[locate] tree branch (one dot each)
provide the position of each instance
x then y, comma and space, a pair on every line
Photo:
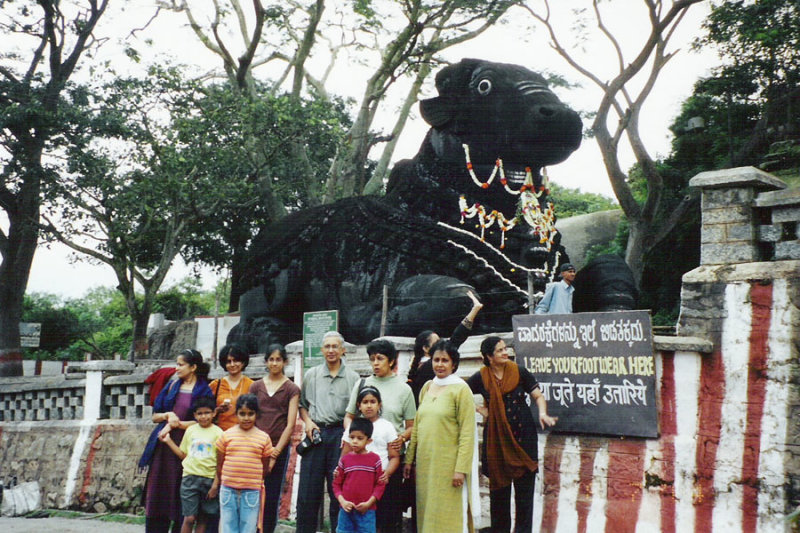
688, 202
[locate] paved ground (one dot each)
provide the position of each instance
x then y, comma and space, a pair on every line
64, 525
79, 525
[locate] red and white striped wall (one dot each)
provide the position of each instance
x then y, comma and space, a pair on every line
720, 463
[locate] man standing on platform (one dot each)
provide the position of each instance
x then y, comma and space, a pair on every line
323, 402
557, 299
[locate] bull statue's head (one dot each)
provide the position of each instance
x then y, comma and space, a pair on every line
500, 111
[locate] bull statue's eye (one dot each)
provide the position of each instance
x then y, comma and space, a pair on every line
484, 87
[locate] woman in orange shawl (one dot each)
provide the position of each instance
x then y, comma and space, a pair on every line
509, 454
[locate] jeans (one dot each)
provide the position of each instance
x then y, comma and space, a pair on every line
316, 467
500, 505
355, 522
273, 485
238, 510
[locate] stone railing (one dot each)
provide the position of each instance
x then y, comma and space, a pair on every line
748, 216
52, 398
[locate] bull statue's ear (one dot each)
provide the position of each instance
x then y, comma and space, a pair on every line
437, 111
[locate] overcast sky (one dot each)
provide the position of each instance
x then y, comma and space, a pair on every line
513, 42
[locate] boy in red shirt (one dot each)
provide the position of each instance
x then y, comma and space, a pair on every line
356, 482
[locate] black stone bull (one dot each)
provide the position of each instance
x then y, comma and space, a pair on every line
489, 119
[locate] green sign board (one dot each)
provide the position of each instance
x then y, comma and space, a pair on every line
315, 325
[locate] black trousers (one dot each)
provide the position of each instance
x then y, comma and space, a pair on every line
316, 470
500, 506
161, 525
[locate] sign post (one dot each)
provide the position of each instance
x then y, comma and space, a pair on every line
315, 325
29, 334
596, 370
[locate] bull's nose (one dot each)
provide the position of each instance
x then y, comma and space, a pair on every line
547, 111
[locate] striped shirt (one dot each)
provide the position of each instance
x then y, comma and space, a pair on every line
244, 452
357, 478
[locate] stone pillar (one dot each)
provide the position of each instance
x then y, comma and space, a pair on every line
730, 222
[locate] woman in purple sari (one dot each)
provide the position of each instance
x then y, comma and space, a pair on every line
172, 412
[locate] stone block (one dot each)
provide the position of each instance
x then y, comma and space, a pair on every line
785, 214
718, 254
720, 198
710, 233
780, 197
770, 233
727, 215
739, 177
741, 232
787, 250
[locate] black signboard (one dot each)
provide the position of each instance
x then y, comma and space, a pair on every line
596, 370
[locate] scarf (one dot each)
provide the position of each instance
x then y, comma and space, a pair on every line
507, 460
164, 403
452, 379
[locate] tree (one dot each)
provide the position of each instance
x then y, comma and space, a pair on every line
254, 141
135, 186
32, 108
731, 119
62, 324
405, 36
652, 219
759, 47
573, 202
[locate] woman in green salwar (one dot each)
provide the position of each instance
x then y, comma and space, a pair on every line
442, 451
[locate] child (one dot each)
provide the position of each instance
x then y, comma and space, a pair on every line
243, 461
356, 482
199, 484
368, 403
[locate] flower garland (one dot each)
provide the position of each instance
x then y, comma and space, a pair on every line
485, 220
498, 165
529, 209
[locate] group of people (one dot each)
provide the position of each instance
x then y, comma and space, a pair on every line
380, 444
218, 456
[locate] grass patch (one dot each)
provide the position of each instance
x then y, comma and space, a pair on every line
118, 518
122, 518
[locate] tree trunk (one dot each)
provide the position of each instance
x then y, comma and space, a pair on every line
139, 347
18, 251
10, 313
237, 281
636, 248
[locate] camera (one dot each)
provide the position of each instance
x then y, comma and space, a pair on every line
307, 443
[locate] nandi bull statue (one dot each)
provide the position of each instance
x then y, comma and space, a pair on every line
469, 211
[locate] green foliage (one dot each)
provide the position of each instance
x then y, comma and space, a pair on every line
251, 144
186, 300
99, 322
571, 202
758, 42
753, 97
72, 327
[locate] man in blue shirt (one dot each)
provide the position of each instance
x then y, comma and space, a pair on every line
557, 298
